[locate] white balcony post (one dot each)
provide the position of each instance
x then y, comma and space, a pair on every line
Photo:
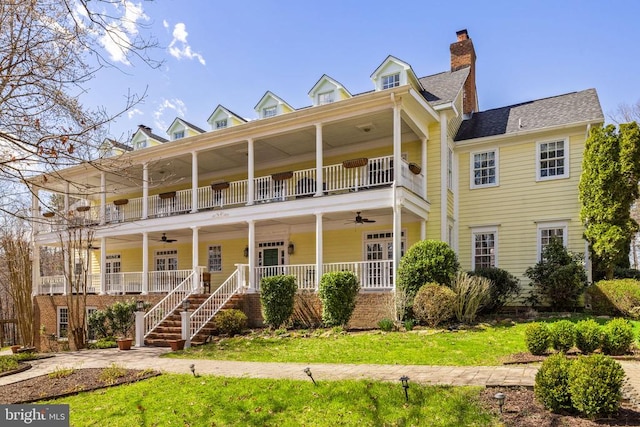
252, 256
319, 165
35, 272
139, 328
250, 172
423, 165
194, 182
444, 153
186, 327
145, 190
319, 249
397, 238
35, 210
397, 144
194, 256
103, 265
145, 263
103, 198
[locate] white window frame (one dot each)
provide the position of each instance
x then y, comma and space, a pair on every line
539, 144
554, 225
59, 323
330, 97
221, 124
472, 181
178, 134
385, 82
210, 259
484, 230
266, 111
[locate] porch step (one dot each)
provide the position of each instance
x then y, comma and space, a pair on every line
171, 328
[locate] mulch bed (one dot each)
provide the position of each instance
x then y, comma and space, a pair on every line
45, 387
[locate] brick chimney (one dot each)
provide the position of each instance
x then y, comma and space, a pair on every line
464, 55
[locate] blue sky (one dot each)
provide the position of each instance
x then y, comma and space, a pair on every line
231, 53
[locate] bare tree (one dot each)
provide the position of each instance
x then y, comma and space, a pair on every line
49, 52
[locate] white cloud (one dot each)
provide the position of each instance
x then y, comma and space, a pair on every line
116, 38
175, 105
134, 112
165, 24
179, 47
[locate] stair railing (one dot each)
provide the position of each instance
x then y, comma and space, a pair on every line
168, 304
210, 307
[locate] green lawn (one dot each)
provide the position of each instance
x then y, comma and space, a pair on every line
182, 400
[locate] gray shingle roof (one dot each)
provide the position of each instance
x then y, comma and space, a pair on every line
574, 107
147, 131
192, 126
443, 87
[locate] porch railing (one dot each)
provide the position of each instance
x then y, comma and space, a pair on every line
210, 307
168, 304
165, 281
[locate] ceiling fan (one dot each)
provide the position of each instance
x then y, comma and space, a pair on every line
360, 220
164, 239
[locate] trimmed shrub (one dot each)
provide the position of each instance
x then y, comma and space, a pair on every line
427, 261
537, 337
563, 335
338, 291
386, 325
471, 293
409, 324
552, 383
588, 336
103, 343
615, 297
559, 278
230, 322
617, 337
277, 297
504, 287
626, 273
434, 304
595, 385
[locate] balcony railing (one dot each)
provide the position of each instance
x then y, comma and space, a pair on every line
338, 178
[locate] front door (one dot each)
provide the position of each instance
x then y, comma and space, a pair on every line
113, 277
271, 259
165, 263
379, 256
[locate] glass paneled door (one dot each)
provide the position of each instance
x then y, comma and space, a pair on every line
379, 257
165, 263
113, 278
271, 259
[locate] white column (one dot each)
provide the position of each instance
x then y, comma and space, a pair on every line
423, 229
319, 161
250, 172
35, 271
397, 144
103, 265
444, 152
319, 249
423, 164
145, 263
103, 198
145, 190
194, 182
66, 200
195, 257
397, 238
35, 211
252, 256
139, 328
185, 320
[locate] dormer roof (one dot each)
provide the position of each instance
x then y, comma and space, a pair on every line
144, 137
111, 147
269, 101
328, 85
181, 125
392, 65
223, 113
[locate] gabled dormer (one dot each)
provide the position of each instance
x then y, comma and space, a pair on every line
144, 138
222, 118
328, 90
394, 72
181, 129
111, 147
271, 105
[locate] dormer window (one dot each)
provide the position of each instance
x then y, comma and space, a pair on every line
221, 124
392, 80
325, 98
269, 111
178, 134
141, 144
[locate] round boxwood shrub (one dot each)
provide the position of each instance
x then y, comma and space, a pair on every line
277, 297
433, 304
552, 383
338, 291
504, 287
595, 385
563, 335
617, 337
230, 322
588, 336
537, 337
425, 262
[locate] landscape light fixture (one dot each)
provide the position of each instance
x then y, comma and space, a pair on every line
307, 371
140, 305
291, 248
500, 398
193, 369
405, 385
185, 305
